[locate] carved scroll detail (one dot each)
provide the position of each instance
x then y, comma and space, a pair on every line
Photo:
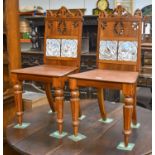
104, 25
102, 14
75, 24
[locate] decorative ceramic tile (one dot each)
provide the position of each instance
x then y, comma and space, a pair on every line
69, 48
108, 50
53, 47
127, 50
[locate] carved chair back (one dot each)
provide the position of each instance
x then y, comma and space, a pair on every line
62, 38
119, 40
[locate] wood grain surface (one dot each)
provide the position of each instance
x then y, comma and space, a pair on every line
101, 138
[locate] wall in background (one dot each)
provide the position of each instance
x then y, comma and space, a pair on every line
88, 4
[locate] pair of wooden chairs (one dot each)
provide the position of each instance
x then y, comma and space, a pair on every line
118, 63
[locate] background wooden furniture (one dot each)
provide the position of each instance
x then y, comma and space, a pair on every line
101, 139
88, 59
118, 65
60, 58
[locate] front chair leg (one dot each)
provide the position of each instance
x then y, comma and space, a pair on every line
59, 99
101, 103
127, 113
75, 110
49, 96
18, 101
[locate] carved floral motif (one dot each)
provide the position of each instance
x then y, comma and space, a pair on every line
119, 28
62, 27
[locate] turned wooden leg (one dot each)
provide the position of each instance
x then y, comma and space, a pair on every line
75, 110
49, 96
134, 114
59, 100
101, 103
18, 101
127, 113
80, 112
75, 105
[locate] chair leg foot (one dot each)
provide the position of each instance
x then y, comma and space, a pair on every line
57, 135
135, 126
129, 147
82, 117
106, 121
77, 138
22, 126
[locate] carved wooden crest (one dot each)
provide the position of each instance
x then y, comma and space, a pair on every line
138, 12
63, 12
120, 11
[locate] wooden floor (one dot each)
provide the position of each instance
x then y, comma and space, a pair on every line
102, 139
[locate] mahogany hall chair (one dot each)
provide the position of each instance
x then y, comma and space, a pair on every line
118, 62
62, 47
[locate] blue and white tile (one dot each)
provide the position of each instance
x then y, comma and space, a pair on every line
108, 50
127, 51
69, 48
53, 47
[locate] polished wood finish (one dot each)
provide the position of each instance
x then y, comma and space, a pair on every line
113, 74
101, 138
11, 58
12, 26
54, 71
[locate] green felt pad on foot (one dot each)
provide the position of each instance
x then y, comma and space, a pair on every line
135, 126
23, 126
50, 112
82, 117
57, 135
121, 146
107, 120
77, 138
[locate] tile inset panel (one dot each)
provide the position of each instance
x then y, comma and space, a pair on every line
127, 51
69, 48
53, 47
108, 50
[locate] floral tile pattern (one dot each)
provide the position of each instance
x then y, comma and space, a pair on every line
69, 48
108, 50
127, 50
53, 47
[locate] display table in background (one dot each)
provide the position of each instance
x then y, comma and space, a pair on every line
101, 138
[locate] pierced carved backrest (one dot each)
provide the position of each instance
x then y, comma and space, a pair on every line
62, 38
119, 40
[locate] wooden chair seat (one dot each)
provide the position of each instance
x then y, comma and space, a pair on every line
46, 70
107, 76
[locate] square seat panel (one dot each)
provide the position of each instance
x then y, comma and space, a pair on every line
46, 70
107, 76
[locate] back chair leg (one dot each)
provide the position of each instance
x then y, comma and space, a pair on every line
18, 101
49, 96
134, 114
101, 103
